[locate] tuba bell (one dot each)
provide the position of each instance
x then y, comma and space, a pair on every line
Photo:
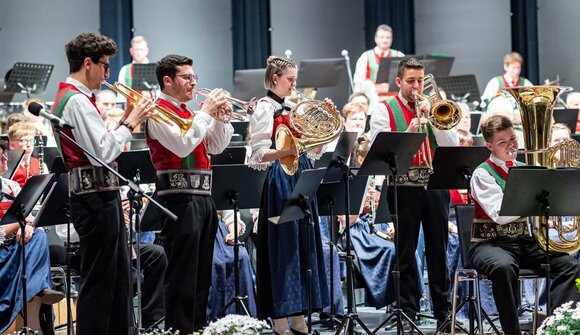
536, 105
316, 124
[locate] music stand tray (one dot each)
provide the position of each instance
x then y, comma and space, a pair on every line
526, 185
27, 198
390, 146
144, 78
320, 72
53, 209
136, 163
15, 157
28, 78
230, 155
246, 182
304, 190
453, 166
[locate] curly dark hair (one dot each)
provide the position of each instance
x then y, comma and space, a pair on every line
409, 63
4, 145
167, 66
89, 45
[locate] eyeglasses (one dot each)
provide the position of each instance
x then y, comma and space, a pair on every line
105, 65
23, 140
4, 155
188, 77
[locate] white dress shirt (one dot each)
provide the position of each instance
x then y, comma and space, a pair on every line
492, 87
216, 133
488, 194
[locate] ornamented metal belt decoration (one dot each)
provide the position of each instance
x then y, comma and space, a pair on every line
486, 229
184, 181
91, 179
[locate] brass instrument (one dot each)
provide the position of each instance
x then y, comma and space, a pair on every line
315, 122
163, 115
536, 105
425, 158
226, 113
444, 114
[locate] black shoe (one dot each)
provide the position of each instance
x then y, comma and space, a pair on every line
49, 296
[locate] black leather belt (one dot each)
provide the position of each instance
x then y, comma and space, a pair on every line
482, 230
180, 181
91, 179
416, 176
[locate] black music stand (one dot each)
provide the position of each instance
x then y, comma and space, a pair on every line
136, 166
28, 78
328, 196
15, 157
20, 208
566, 116
464, 86
453, 168
144, 78
237, 187
438, 66
230, 155
326, 73
56, 210
538, 191
249, 84
337, 178
298, 207
391, 154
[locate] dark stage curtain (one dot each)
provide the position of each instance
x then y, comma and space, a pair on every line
525, 36
399, 14
250, 33
116, 20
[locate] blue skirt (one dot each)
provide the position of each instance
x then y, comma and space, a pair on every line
282, 255
37, 270
223, 280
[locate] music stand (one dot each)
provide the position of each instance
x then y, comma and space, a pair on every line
28, 78
538, 191
475, 122
15, 157
144, 78
237, 187
462, 86
438, 66
327, 76
566, 116
20, 208
249, 83
56, 210
230, 155
136, 166
387, 67
391, 154
241, 128
453, 166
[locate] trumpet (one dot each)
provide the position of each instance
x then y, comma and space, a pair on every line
163, 115
226, 113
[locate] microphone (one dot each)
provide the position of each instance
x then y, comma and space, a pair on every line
288, 53
344, 53
38, 110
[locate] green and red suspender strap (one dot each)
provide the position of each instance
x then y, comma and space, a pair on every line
129, 75
504, 84
63, 95
373, 62
401, 123
497, 172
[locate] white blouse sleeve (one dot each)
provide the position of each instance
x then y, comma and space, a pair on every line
261, 125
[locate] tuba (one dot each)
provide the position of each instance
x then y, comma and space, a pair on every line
536, 105
316, 124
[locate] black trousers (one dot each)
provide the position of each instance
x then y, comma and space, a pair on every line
500, 261
188, 244
103, 305
431, 209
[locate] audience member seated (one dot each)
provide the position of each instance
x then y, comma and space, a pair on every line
223, 275
39, 293
105, 101
13, 119
112, 117
21, 136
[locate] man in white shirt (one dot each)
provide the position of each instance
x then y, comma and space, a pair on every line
512, 64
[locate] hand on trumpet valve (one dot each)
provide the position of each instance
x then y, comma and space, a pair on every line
416, 123
142, 111
214, 100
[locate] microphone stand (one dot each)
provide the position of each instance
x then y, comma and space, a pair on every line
348, 69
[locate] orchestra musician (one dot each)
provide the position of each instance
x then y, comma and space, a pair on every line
512, 65
183, 184
139, 51
103, 305
281, 249
418, 206
512, 247
21, 136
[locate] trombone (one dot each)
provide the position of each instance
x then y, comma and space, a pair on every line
226, 113
163, 115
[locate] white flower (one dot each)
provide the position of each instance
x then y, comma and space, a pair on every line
561, 328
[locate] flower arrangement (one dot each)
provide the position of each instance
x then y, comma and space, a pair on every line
234, 324
162, 332
564, 321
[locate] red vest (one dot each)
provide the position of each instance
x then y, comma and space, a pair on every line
500, 176
22, 174
285, 120
73, 156
164, 159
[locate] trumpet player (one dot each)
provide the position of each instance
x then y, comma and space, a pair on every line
103, 305
511, 247
407, 112
183, 185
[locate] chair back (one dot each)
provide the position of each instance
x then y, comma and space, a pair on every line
464, 215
